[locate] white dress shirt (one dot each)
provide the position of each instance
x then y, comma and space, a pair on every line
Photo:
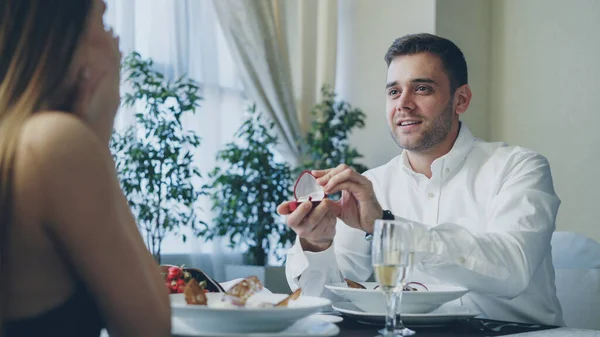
485, 218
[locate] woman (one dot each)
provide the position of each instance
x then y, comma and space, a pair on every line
71, 258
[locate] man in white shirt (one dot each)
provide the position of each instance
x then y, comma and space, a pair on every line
484, 212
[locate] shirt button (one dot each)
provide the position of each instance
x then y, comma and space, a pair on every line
431, 195
461, 260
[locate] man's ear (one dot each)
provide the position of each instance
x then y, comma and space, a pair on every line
462, 98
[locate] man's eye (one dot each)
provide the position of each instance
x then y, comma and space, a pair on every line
393, 92
423, 88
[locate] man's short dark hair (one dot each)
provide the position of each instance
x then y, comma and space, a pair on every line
452, 57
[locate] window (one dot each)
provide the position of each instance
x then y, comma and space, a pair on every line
184, 37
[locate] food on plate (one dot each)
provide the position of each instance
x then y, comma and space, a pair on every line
176, 277
353, 284
242, 291
409, 286
195, 293
236, 297
293, 296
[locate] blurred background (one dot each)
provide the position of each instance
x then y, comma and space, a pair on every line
533, 70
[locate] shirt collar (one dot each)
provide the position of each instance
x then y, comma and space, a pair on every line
451, 160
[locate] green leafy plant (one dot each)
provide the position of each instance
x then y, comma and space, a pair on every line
245, 193
154, 157
326, 144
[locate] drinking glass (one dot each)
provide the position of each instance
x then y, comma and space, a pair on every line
393, 258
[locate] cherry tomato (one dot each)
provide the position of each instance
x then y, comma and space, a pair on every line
174, 272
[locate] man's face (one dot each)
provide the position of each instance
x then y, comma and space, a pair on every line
419, 105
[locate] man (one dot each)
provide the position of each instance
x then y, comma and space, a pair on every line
484, 212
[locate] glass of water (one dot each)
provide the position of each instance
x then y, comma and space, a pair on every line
393, 258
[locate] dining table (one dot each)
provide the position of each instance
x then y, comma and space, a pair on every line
472, 327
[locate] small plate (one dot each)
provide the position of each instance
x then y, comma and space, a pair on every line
312, 326
441, 316
336, 318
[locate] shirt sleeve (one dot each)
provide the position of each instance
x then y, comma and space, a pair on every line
349, 256
502, 260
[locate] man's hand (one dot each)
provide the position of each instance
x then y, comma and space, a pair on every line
315, 226
358, 207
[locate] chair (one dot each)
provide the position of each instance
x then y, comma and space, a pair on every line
576, 261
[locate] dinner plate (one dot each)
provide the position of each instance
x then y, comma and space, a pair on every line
219, 318
421, 301
312, 326
441, 316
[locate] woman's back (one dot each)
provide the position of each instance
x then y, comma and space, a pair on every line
73, 244
44, 289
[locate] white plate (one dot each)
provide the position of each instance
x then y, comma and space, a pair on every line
312, 326
329, 318
211, 319
420, 301
441, 316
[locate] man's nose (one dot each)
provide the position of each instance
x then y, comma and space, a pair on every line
405, 101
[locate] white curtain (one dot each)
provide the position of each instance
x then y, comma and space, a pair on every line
286, 51
257, 43
310, 28
184, 37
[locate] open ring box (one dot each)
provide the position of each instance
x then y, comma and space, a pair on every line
307, 189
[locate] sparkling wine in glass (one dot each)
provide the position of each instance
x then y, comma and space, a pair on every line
392, 254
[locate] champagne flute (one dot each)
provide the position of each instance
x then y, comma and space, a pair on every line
392, 257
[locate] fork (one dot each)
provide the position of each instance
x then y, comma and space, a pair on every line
498, 326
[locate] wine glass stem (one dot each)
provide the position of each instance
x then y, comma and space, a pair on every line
398, 308
390, 318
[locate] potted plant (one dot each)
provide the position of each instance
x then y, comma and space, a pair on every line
326, 144
154, 157
245, 190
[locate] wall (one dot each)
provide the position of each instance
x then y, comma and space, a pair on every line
544, 85
467, 23
533, 67
365, 31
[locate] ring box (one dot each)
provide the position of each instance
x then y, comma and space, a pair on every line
307, 189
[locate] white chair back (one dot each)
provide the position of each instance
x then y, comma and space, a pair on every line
576, 261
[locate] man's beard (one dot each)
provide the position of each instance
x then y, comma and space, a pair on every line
436, 134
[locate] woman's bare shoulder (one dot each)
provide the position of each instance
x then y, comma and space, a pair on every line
58, 139
58, 151
47, 129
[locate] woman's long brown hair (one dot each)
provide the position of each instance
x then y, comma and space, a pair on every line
38, 41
